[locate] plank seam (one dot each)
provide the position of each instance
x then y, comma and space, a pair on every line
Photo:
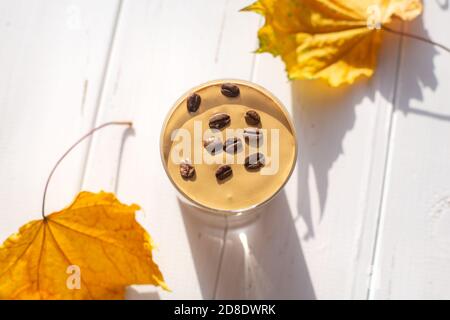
255, 56
381, 213
220, 37
100, 97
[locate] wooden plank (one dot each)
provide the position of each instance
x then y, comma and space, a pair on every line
52, 59
162, 49
317, 240
413, 247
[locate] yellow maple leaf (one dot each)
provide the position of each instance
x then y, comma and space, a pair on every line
329, 39
92, 249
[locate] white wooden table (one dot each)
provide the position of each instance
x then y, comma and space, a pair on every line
366, 213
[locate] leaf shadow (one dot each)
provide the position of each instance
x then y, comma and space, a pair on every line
323, 115
420, 57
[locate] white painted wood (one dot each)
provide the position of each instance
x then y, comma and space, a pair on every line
316, 241
413, 247
162, 49
371, 183
52, 59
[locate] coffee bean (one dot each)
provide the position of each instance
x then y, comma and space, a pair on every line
193, 102
230, 90
252, 117
213, 145
223, 172
187, 170
218, 121
253, 134
232, 145
255, 161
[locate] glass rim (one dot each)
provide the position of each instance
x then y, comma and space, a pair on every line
225, 212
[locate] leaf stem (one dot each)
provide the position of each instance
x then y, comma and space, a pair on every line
120, 123
416, 37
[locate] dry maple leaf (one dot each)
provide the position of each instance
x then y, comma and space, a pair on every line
328, 39
97, 234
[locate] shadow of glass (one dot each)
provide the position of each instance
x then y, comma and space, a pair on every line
324, 115
262, 259
206, 237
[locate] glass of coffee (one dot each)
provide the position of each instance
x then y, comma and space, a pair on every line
228, 146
